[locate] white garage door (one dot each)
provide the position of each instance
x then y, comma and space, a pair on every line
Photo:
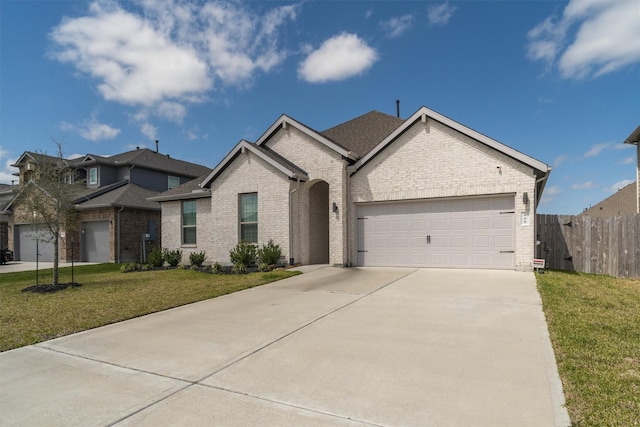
450, 233
27, 239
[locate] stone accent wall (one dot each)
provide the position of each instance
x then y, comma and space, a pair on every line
434, 161
320, 163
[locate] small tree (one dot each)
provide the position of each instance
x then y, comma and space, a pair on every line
49, 196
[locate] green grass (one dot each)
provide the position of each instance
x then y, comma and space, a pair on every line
106, 296
594, 323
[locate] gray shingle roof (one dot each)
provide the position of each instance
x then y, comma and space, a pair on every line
363, 133
127, 195
621, 203
149, 159
186, 190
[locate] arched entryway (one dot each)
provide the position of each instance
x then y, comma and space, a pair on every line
319, 223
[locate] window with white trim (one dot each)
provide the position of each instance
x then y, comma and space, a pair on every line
248, 217
93, 176
189, 222
174, 181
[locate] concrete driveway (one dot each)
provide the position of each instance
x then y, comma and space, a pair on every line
361, 346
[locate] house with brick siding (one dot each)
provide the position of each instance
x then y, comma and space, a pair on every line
377, 190
117, 222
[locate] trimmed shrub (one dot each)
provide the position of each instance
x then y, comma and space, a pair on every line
239, 268
269, 253
197, 258
172, 257
145, 267
129, 267
156, 258
244, 253
264, 267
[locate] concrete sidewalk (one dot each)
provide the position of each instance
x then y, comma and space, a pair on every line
336, 346
16, 266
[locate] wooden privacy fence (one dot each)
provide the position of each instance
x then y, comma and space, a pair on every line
608, 246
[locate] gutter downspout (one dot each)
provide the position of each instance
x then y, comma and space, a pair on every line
291, 259
118, 236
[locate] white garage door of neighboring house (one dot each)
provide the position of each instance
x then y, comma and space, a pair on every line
25, 244
95, 241
458, 233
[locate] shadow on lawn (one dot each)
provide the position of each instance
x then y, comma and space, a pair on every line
49, 288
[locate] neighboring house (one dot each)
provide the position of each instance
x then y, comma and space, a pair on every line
115, 215
623, 202
6, 195
634, 138
374, 191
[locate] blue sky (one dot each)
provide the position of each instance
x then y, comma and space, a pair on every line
557, 80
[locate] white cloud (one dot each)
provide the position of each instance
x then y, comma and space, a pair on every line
559, 160
440, 15
135, 62
162, 55
583, 186
149, 130
340, 57
619, 185
397, 25
171, 111
591, 38
629, 160
6, 170
91, 129
552, 190
596, 149
239, 43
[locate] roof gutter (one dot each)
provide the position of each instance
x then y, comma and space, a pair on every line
195, 194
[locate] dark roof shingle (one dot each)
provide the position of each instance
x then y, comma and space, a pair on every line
622, 202
362, 134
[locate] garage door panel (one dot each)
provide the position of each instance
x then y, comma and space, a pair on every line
469, 233
503, 242
480, 242
32, 243
481, 260
95, 241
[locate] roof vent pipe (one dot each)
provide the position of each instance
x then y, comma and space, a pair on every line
398, 108
157, 145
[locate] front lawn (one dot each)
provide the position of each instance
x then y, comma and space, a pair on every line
106, 296
594, 323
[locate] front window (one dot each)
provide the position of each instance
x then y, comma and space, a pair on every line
174, 181
249, 217
189, 222
68, 178
93, 176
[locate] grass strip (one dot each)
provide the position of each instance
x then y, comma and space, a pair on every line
106, 296
594, 324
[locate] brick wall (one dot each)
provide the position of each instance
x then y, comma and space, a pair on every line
248, 174
133, 223
172, 228
433, 161
320, 163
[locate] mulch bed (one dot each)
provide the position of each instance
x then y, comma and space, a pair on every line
49, 288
